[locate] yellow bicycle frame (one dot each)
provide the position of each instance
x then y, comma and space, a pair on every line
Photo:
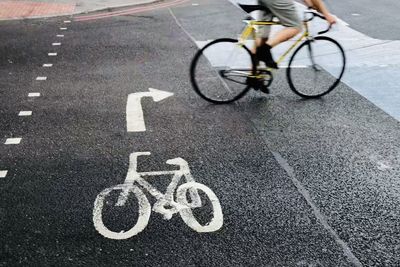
250, 31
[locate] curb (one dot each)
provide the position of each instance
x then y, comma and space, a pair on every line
116, 6
129, 11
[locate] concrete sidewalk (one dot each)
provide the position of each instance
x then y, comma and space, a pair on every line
16, 9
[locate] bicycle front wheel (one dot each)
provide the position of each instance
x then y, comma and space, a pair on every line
316, 67
187, 211
220, 70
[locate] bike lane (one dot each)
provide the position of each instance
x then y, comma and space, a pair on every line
342, 148
82, 147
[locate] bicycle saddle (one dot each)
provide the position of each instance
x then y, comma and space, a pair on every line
251, 8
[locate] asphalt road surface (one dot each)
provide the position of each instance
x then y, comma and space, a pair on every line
300, 183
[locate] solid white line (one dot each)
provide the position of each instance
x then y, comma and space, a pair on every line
52, 54
56, 44
13, 141
3, 174
60, 35
33, 94
318, 214
47, 65
180, 26
25, 113
41, 78
63, 28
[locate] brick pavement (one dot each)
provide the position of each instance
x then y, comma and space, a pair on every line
28, 9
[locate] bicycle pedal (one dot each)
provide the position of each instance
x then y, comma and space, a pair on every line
265, 89
254, 82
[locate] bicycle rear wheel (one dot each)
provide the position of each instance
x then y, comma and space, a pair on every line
316, 67
144, 210
220, 70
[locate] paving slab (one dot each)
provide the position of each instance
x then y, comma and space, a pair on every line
49, 8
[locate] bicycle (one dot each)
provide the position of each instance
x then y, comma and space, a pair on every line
165, 203
224, 70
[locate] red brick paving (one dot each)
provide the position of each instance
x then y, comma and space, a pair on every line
26, 9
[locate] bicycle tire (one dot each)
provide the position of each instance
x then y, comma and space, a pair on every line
334, 80
144, 212
199, 86
186, 210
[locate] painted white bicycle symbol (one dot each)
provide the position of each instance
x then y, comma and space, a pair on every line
165, 204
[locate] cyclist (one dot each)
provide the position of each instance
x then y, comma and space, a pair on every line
285, 11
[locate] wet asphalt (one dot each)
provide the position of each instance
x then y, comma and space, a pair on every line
301, 183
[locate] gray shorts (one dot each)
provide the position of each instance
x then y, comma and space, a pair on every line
284, 10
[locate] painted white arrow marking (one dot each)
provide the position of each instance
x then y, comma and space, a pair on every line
134, 111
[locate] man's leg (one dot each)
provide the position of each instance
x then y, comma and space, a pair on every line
262, 32
261, 41
285, 11
283, 35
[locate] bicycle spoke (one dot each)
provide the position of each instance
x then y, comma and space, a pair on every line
323, 60
220, 70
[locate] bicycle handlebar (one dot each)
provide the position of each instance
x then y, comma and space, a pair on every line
315, 14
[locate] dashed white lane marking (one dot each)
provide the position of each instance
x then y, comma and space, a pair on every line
33, 94
47, 65
63, 28
56, 44
355, 14
52, 54
13, 141
383, 166
3, 174
25, 113
67, 21
41, 78
60, 35
194, 4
